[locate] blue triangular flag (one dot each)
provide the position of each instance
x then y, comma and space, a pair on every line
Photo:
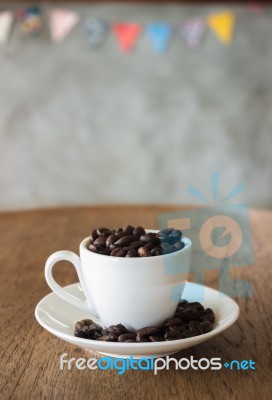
160, 35
96, 30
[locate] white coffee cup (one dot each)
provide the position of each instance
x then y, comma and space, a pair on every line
134, 291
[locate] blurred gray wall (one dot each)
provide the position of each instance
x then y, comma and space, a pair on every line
79, 126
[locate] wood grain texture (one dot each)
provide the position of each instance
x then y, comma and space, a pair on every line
30, 355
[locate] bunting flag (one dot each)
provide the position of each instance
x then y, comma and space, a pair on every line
160, 35
222, 25
6, 20
192, 31
31, 19
96, 30
257, 8
127, 35
61, 23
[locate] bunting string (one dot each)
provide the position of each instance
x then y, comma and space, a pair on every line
61, 22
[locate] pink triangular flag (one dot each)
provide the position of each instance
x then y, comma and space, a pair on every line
256, 7
127, 35
61, 23
6, 19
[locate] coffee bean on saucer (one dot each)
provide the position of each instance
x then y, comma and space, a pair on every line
127, 336
173, 321
177, 328
118, 329
84, 322
193, 327
208, 317
190, 319
187, 334
141, 339
206, 326
105, 338
156, 338
149, 330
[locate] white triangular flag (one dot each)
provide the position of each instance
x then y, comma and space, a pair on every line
61, 23
6, 20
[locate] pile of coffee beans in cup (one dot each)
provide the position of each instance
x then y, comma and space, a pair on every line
133, 241
190, 319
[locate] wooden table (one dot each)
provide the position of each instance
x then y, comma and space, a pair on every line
30, 355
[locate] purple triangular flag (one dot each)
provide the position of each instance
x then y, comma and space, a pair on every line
192, 31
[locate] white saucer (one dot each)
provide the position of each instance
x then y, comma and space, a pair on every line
59, 317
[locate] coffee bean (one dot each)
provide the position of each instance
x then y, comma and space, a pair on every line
136, 244
173, 321
189, 320
177, 328
94, 235
179, 245
193, 327
139, 231
155, 338
169, 334
127, 336
156, 251
125, 240
118, 252
100, 241
166, 232
170, 249
104, 251
206, 326
104, 240
141, 339
144, 252
82, 323
174, 237
132, 253
128, 229
195, 304
207, 317
177, 337
93, 248
118, 329
187, 334
106, 338
111, 239
150, 238
101, 230
149, 330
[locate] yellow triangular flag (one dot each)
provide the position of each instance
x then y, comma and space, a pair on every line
222, 25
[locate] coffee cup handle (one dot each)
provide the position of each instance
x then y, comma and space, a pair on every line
65, 255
